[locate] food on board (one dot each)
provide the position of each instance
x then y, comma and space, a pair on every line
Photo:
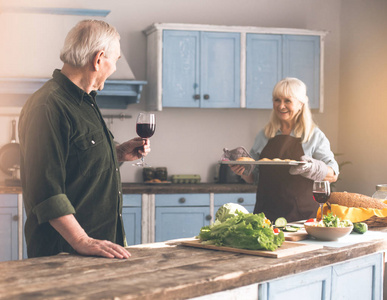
242, 230
229, 210
355, 200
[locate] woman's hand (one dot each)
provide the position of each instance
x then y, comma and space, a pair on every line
314, 169
133, 149
239, 169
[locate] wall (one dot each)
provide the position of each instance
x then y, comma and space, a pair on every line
363, 94
190, 141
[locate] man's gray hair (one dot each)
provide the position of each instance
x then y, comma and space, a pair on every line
85, 40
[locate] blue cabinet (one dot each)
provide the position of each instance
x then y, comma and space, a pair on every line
131, 215
246, 200
200, 69
211, 66
360, 278
180, 215
8, 227
272, 57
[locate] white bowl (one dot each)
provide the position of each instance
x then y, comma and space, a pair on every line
327, 233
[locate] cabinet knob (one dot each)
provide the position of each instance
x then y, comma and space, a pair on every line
208, 217
206, 97
196, 96
15, 218
182, 200
241, 200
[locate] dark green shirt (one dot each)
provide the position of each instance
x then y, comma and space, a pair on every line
68, 166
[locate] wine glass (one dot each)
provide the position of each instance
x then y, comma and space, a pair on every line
321, 193
145, 128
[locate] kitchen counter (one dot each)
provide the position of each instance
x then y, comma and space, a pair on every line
167, 271
143, 188
179, 188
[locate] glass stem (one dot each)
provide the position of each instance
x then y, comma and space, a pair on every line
321, 210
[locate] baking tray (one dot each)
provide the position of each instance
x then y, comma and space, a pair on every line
264, 162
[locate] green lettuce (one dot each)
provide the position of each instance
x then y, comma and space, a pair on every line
243, 231
229, 210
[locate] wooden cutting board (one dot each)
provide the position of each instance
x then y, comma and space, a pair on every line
296, 236
287, 248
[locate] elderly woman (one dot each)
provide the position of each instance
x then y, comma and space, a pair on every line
285, 191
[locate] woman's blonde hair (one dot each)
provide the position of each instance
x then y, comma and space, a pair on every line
86, 39
304, 125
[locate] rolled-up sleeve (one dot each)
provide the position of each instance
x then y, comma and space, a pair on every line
52, 208
319, 148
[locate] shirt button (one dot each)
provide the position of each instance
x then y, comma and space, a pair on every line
93, 142
92, 104
116, 169
119, 192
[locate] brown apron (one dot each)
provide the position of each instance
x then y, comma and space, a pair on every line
280, 194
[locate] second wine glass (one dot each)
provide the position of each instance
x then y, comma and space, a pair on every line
321, 193
145, 128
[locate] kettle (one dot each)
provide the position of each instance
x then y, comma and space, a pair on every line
228, 176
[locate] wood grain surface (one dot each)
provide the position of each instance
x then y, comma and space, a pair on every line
162, 271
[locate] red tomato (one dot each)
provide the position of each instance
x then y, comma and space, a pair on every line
310, 220
276, 230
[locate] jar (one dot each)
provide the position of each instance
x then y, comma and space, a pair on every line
148, 174
381, 192
161, 173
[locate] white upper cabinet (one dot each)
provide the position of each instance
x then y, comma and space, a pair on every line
207, 66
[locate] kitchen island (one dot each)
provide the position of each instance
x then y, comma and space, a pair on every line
172, 271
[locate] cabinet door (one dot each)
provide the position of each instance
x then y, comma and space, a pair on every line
315, 284
8, 227
180, 222
302, 60
180, 69
131, 215
272, 57
220, 70
359, 278
263, 68
180, 215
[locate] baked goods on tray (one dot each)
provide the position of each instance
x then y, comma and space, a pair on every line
244, 158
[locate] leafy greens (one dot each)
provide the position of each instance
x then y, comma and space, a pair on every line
243, 231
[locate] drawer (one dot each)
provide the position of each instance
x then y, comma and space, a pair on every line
131, 200
242, 199
8, 200
183, 200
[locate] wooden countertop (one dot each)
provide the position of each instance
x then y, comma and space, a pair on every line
142, 188
159, 271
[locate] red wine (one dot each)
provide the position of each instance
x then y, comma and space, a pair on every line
145, 130
320, 197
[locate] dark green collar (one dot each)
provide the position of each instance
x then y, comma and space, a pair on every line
72, 89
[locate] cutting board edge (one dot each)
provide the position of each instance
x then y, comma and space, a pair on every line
279, 253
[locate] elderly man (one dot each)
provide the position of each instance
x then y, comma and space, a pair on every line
69, 162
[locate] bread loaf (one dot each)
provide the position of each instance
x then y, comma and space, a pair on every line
355, 200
